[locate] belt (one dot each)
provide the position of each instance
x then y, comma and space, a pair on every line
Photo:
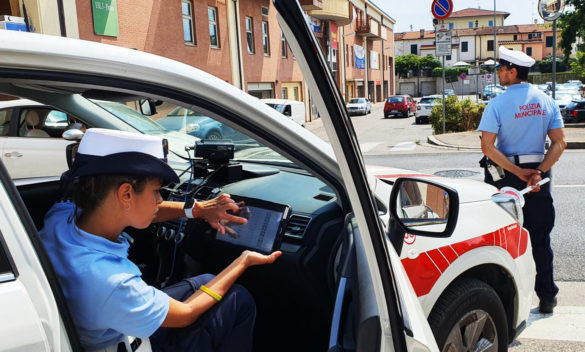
525, 159
123, 346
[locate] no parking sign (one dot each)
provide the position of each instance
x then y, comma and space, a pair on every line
441, 9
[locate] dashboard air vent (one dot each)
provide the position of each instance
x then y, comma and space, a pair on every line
296, 226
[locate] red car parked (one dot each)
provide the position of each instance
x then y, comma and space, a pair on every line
399, 105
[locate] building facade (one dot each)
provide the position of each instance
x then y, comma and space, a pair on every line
238, 41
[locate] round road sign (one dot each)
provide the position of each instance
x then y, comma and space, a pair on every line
442, 9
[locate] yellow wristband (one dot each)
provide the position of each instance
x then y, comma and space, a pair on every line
210, 292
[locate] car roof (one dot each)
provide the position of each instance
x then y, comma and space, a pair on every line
18, 102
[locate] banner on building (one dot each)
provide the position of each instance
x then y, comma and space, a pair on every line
315, 25
105, 17
374, 63
359, 54
333, 35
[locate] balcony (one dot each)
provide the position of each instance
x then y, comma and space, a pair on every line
369, 28
337, 11
308, 5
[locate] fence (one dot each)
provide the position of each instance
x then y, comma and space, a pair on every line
562, 77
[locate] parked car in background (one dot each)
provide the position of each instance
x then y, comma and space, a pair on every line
293, 109
360, 106
449, 92
492, 91
424, 108
402, 105
574, 111
562, 98
198, 125
31, 142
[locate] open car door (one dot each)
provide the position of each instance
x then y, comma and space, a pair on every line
387, 316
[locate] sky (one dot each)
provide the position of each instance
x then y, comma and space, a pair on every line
418, 12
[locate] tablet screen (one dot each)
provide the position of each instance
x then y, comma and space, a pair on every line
263, 229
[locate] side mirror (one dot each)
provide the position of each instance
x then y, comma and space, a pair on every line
147, 107
424, 208
73, 134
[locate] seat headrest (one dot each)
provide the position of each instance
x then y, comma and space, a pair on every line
32, 118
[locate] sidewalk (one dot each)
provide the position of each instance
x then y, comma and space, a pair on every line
574, 133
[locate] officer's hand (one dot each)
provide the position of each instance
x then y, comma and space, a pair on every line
251, 258
215, 211
534, 179
526, 174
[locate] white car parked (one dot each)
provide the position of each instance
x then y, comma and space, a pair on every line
360, 106
357, 250
424, 108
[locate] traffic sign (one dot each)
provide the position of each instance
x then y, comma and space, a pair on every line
442, 43
463, 76
441, 9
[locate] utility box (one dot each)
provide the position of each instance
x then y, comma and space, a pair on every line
12, 23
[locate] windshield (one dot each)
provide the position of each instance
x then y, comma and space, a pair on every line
131, 117
278, 107
357, 101
428, 100
395, 99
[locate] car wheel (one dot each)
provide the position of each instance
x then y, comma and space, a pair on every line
406, 113
469, 316
213, 135
416, 121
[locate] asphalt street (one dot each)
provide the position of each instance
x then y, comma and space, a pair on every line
399, 142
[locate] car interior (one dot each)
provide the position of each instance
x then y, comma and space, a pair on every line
303, 213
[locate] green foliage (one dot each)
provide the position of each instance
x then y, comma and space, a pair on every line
459, 115
578, 66
545, 66
449, 71
411, 62
572, 26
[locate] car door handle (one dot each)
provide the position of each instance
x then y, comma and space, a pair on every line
13, 155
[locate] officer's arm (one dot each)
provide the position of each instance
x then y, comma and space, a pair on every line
488, 147
557, 146
182, 314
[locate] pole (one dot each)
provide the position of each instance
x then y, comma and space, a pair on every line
443, 94
554, 63
495, 49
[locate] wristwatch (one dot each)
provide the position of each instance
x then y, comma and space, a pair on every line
188, 207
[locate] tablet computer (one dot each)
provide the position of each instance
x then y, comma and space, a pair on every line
265, 228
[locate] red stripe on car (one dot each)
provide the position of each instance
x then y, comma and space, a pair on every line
425, 270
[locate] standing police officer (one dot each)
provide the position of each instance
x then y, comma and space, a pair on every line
521, 118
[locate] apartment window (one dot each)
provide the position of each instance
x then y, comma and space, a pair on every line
529, 51
413, 49
464, 47
284, 95
250, 35
264, 11
471, 24
491, 23
448, 57
346, 55
549, 41
515, 36
295, 93
283, 45
265, 39
490, 45
451, 25
213, 34
188, 34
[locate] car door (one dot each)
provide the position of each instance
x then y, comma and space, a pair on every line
34, 149
396, 322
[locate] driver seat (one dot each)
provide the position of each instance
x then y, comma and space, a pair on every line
32, 122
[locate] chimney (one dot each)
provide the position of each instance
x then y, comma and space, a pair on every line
422, 33
535, 21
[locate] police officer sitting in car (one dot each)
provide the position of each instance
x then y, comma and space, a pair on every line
520, 120
117, 177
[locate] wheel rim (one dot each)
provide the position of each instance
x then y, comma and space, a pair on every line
474, 332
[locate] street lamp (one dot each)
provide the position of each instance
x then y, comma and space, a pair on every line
550, 10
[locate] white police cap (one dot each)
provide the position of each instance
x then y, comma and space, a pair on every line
514, 57
113, 152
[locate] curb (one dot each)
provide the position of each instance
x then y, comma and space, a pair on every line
434, 141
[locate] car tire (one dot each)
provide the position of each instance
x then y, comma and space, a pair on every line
467, 304
213, 135
406, 114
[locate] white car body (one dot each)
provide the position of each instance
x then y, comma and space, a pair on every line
359, 106
28, 157
293, 109
484, 237
424, 107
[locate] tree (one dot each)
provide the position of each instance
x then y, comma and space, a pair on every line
572, 26
429, 62
407, 63
545, 65
578, 66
